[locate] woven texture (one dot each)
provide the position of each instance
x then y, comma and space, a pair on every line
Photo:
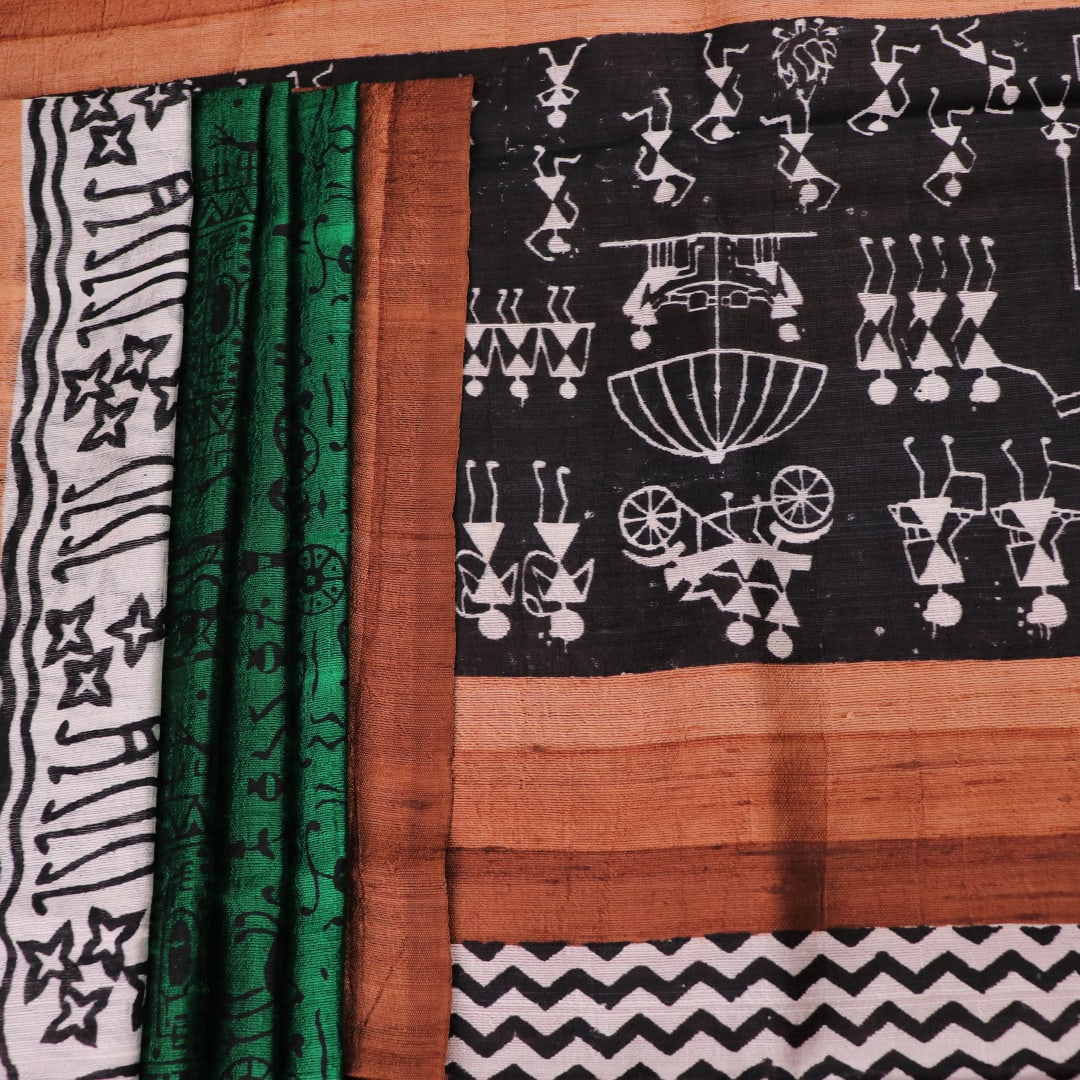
249, 909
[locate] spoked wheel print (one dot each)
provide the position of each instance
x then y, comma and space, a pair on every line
322, 579
802, 498
649, 517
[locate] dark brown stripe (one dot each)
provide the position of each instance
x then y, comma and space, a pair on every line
412, 285
679, 892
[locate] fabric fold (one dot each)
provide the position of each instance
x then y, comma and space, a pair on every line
250, 879
411, 304
107, 188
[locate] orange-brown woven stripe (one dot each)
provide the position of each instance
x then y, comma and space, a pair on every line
588, 896
54, 46
412, 282
12, 269
760, 797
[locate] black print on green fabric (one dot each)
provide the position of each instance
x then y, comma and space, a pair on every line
249, 891
771, 348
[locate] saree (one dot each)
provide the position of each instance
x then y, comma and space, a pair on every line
710, 609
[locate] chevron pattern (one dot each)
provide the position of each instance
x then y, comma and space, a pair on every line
975, 1001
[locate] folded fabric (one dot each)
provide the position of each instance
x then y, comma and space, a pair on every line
706, 411
107, 190
248, 911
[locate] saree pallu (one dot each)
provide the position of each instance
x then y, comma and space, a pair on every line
248, 910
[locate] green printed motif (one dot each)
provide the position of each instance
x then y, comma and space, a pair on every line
246, 977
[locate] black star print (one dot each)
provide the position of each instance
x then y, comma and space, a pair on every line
49, 960
107, 943
87, 384
93, 107
111, 143
156, 99
138, 356
137, 630
109, 423
165, 391
86, 683
78, 1016
67, 632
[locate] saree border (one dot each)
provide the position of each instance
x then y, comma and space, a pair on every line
412, 272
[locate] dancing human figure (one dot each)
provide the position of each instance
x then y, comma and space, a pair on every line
558, 97
652, 167
795, 166
944, 184
893, 100
713, 127
1002, 92
548, 241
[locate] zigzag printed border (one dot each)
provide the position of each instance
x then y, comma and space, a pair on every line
992, 1002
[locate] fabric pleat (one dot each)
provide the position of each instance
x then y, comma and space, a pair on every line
250, 880
324, 128
186, 931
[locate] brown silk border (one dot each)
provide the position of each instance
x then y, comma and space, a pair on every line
412, 285
753, 798
12, 269
130, 43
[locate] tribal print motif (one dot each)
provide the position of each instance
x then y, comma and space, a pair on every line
86, 525
994, 1001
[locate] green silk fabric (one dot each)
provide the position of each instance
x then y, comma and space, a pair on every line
246, 937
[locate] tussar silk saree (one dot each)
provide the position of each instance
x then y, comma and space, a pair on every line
545, 556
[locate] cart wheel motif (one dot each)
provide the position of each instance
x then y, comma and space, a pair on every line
322, 579
649, 517
802, 497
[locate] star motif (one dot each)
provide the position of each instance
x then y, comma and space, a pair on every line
49, 960
107, 943
78, 1016
137, 630
156, 99
109, 423
87, 384
86, 683
93, 107
165, 390
112, 143
67, 632
138, 356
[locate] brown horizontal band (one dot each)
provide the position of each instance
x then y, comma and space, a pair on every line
737, 783
581, 897
760, 789
52, 47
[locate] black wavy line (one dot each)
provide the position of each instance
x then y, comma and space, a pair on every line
793, 984
138, 464
39, 292
71, 545
794, 1033
8, 559
116, 500
1021, 1064
60, 570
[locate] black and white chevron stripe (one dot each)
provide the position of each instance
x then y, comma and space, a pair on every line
988, 1002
